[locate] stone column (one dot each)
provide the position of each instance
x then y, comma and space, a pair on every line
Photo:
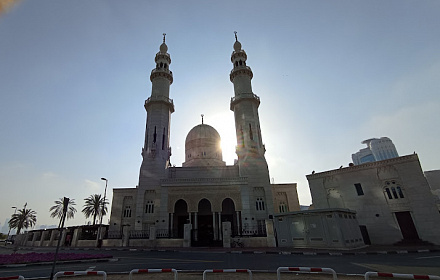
25, 239
53, 233
219, 225
125, 236
214, 228
187, 235
195, 226
43, 236
34, 238
270, 234
226, 230
75, 238
63, 237
171, 224
238, 222
152, 233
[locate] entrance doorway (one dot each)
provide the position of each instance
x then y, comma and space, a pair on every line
229, 215
180, 217
203, 235
407, 227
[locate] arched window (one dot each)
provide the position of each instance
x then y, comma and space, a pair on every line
259, 204
154, 135
282, 207
163, 138
251, 135
149, 208
393, 190
127, 212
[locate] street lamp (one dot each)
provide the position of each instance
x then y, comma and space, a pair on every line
102, 214
15, 211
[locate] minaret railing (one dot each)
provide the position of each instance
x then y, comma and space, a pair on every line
238, 98
163, 99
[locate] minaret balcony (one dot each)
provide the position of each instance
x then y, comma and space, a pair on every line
160, 72
160, 99
240, 70
244, 96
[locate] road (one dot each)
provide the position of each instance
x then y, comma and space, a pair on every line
417, 263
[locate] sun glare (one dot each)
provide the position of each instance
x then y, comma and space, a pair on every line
225, 126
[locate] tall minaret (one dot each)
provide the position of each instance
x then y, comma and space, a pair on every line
250, 149
156, 151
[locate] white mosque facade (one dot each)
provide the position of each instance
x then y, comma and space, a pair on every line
208, 203
204, 192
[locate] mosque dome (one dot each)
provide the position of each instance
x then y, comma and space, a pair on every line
202, 147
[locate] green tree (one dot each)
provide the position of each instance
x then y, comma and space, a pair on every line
25, 218
93, 207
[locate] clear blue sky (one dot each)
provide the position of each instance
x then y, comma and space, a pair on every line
74, 76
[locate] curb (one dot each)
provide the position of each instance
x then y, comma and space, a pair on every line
306, 253
58, 262
259, 251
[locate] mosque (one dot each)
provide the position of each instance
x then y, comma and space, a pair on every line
204, 192
205, 202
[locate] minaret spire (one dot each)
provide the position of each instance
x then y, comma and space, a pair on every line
202, 117
250, 148
164, 34
245, 107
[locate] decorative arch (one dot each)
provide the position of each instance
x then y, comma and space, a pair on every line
204, 207
228, 206
181, 217
204, 223
229, 214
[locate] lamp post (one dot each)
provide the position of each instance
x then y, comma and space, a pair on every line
102, 214
15, 211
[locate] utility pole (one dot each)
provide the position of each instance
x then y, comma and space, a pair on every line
61, 227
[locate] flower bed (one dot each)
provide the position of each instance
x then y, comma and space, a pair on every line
47, 257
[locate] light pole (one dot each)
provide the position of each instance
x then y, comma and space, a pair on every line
15, 211
102, 214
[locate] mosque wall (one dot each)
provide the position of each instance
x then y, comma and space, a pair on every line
392, 199
203, 172
121, 199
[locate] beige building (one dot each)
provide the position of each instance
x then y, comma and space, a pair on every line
392, 199
204, 192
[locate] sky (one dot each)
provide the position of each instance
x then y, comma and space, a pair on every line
74, 76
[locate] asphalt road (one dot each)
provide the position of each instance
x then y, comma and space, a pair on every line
416, 263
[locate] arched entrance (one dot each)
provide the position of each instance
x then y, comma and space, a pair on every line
204, 233
229, 215
181, 217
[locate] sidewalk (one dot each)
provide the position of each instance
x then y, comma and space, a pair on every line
370, 250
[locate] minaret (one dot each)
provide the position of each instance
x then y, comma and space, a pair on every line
156, 151
250, 148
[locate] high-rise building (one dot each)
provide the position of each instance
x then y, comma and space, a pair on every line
377, 150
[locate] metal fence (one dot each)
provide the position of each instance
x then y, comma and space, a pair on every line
139, 234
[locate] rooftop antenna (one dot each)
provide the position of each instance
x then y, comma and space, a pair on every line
164, 37
235, 32
202, 117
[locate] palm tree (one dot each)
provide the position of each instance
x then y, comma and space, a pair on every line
25, 218
93, 207
57, 209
